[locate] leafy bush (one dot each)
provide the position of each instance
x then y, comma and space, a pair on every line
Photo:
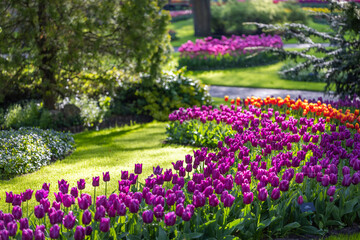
229, 18
169, 92
305, 75
23, 116
28, 149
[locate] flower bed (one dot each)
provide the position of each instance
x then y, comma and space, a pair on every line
180, 15
27, 149
211, 53
261, 180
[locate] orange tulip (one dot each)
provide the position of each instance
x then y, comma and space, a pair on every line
226, 98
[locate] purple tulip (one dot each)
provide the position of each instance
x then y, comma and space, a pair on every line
299, 177
17, 200
12, 228
134, 206
100, 213
24, 223
83, 203
39, 211
8, 217
138, 168
248, 197
54, 232
346, 180
187, 215
9, 197
275, 194
69, 221
228, 200
170, 219
263, 194
28, 194
46, 186
213, 200
64, 188
79, 233
148, 216
86, 217
17, 212
40, 194
74, 192
39, 235
27, 234
106, 177
199, 199
179, 210
325, 180
300, 200
67, 200
88, 230
157, 170
345, 170
331, 191
159, 211
284, 185
81, 184
104, 225
96, 181
40, 228
4, 235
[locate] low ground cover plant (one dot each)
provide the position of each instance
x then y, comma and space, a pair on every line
254, 184
235, 51
28, 149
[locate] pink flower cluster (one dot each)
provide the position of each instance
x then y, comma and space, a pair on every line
180, 13
234, 45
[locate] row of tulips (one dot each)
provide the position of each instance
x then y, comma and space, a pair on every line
212, 53
180, 13
305, 107
253, 183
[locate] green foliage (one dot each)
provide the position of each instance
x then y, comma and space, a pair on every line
227, 61
23, 116
229, 18
305, 75
197, 134
28, 149
339, 63
169, 92
50, 42
92, 111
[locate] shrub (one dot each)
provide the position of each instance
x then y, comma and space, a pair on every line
169, 92
229, 18
23, 116
28, 149
305, 75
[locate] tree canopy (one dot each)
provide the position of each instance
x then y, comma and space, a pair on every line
46, 43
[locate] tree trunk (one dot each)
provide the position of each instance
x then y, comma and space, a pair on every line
47, 56
202, 17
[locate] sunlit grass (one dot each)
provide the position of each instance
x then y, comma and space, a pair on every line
110, 150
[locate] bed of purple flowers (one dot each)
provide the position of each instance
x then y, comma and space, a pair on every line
212, 53
256, 183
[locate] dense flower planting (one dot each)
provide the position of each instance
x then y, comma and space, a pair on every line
254, 182
226, 52
180, 13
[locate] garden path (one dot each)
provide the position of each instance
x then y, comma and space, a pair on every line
234, 92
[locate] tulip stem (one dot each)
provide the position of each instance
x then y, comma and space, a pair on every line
27, 206
105, 189
95, 194
9, 208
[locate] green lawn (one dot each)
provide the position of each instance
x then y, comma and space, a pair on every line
184, 31
110, 150
254, 77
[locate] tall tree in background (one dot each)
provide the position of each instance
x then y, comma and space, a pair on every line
202, 17
49, 42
